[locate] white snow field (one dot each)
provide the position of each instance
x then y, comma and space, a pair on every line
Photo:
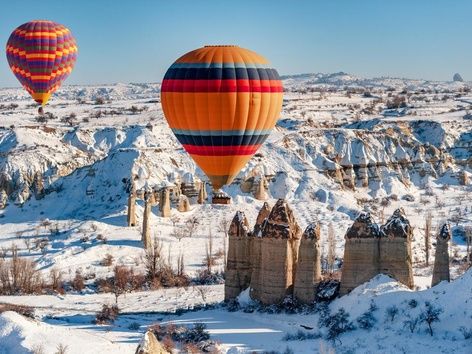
98, 136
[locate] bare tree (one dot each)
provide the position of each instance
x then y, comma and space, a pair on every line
153, 259
121, 278
468, 237
224, 228
209, 250
331, 257
427, 236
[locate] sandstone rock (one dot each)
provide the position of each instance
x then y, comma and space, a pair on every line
146, 234
361, 253
261, 217
261, 189
441, 261
132, 204
150, 345
370, 250
202, 195
184, 204
165, 203
309, 265
238, 268
279, 255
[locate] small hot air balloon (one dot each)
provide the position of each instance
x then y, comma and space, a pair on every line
41, 54
221, 102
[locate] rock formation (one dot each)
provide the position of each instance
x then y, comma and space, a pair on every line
361, 253
202, 195
395, 248
441, 261
189, 185
370, 250
280, 240
150, 345
238, 268
132, 204
457, 77
183, 205
261, 190
164, 203
146, 234
309, 265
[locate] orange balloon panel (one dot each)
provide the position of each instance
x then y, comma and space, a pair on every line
221, 102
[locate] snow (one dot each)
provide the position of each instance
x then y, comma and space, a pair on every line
86, 168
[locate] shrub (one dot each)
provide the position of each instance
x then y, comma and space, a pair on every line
107, 260
134, 326
78, 282
466, 332
366, 320
411, 323
61, 349
412, 303
337, 324
107, 314
21, 309
301, 335
391, 312
430, 315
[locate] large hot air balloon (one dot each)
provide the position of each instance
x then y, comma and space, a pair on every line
41, 54
221, 102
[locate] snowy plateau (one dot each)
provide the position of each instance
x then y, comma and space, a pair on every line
342, 145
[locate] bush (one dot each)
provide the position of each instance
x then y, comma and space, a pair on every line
413, 303
22, 310
366, 320
134, 326
107, 260
430, 315
466, 332
411, 323
391, 312
107, 315
337, 324
301, 335
78, 282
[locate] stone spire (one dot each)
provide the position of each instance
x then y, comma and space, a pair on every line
132, 204
261, 217
202, 194
280, 239
165, 203
146, 235
261, 190
238, 268
309, 265
441, 261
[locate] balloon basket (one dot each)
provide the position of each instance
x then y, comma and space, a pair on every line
220, 198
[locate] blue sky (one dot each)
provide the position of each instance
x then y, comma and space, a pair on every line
136, 41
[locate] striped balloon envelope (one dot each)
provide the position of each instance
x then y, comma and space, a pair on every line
221, 102
41, 54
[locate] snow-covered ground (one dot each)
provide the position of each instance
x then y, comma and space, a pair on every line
100, 135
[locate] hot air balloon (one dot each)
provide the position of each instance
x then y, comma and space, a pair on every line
41, 54
221, 102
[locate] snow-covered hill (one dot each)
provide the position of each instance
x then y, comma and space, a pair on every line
331, 155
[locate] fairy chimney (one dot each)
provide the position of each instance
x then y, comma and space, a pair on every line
361, 253
238, 268
280, 238
261, 217
395, 248
132, 204
164, 203
441, 261
202, 195
370, 250
309, 265
183, 205
146, 235
261, 190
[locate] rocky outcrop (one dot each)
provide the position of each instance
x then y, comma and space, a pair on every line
132, 204
146, 234
441, 261
308, 273
395, 248
164, 203
370, 250
202, 194
280, 239
361, 253
261, 189
183, 204
238, 269
150, 345
189, 185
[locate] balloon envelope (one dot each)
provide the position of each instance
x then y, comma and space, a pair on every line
221, 102
41, 54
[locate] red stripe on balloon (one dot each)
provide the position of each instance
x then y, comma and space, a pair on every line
221, 150
221, 86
